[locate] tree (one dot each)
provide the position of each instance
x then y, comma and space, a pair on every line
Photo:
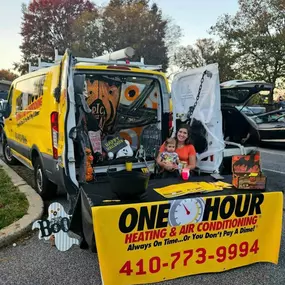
88, 31
6, 74
257, 36
207, 51
134, 23
50, 24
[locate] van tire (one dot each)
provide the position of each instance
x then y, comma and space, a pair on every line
44, 187
9, 158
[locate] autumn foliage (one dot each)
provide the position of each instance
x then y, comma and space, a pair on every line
90, 31
7, 75
48, 24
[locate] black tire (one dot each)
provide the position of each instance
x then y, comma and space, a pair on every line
44, 187
9, 158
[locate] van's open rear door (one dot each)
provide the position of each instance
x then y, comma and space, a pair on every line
66, 121
196, 94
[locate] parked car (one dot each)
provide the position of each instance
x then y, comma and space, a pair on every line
2, 108
271, 126
3, 95
239, 99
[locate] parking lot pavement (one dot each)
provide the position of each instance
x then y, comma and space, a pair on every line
34, 261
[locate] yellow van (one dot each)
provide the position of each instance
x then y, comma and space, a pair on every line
73, 120
56, 113
30, 132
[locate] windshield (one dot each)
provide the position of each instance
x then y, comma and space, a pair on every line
272, 117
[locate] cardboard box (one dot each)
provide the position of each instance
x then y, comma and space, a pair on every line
247, 173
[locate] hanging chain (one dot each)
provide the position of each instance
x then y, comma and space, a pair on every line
192, 108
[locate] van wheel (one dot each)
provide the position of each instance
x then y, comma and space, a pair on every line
9, 158
44, 187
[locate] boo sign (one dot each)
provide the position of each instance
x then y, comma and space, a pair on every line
56, 227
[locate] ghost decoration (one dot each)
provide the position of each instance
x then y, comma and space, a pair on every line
126, 151
56, 227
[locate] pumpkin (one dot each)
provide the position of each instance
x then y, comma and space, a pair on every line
103, 100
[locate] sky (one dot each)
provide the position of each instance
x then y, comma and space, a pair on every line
195, 17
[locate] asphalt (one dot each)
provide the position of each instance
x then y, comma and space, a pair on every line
33, 261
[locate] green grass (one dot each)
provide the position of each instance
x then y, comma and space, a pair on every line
13, 203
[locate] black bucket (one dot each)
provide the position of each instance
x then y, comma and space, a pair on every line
128, 185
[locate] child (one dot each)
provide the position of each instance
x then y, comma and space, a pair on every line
169, 156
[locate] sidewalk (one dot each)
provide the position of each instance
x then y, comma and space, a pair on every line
17, 229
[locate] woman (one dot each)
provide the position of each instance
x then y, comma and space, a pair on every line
185, 150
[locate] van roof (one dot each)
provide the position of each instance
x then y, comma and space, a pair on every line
37, 72
90, 66
112, 67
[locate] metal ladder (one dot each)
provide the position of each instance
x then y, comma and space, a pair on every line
113, 59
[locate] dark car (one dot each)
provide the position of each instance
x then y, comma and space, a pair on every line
241, 100
3, 95
271, 126
2, 109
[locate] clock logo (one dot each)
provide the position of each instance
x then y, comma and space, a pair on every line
186, 211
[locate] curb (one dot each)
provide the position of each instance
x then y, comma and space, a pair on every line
35, 210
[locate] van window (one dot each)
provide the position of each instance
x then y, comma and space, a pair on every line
128, 105
28, 91
123, 102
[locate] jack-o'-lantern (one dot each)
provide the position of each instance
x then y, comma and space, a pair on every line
103, 99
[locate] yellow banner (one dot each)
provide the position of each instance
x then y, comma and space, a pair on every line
152, 242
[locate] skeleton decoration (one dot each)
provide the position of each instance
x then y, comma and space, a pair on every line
140, 155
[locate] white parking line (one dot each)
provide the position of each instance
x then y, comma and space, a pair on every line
277, 152
271, 170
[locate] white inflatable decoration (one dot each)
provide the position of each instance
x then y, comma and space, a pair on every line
56, 227
126, 151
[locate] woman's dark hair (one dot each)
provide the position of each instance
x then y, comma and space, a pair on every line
187, 127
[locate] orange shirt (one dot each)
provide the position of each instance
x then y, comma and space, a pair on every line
183, 152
